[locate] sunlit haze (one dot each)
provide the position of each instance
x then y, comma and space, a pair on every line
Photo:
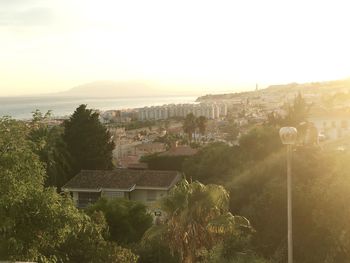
188, 46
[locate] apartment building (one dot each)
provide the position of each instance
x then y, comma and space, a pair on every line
208, 110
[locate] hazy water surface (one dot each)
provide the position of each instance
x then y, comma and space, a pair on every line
21, 107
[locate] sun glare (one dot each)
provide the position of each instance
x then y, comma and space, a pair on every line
221, 43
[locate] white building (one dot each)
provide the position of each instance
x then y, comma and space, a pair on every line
208, 110
333, 125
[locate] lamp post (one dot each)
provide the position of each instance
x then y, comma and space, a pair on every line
288, 137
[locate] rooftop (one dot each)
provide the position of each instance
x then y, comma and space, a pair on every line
122, 179
180, 150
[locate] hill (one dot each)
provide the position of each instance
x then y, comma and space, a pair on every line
325, 86
306, 88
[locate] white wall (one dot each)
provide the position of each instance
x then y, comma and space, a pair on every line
143, 195
113, 194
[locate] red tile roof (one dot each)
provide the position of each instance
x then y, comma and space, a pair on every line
181, 150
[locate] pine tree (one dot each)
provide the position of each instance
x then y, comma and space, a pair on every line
88, 141
298, 112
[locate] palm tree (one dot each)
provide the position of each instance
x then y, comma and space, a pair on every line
190, 125
197, 218
202, 124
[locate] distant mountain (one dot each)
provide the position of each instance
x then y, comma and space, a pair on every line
112, 89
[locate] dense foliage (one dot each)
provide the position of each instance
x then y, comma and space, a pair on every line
297, 113
171, 163
212, 164
88, 141
155, 250
259, 143
230, 129
36, 223
217, 162
319, 207
49, 145
127, 220
197, 219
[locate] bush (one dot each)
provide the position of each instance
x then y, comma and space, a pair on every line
170, 163
127, 220
155, 251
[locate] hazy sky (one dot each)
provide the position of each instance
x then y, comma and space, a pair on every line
53, 45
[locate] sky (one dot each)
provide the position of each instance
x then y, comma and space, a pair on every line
205, 46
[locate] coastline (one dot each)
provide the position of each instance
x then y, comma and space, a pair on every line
22, 107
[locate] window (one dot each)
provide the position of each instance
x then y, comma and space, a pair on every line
151, 195
86, 198
113, 194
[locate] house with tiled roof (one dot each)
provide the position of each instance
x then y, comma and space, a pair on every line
146, 186
179, 150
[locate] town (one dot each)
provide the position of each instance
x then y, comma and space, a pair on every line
174, 131
227, 116
148, 173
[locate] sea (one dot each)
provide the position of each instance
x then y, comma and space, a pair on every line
22, 107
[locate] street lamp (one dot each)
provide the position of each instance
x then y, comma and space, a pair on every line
288, 137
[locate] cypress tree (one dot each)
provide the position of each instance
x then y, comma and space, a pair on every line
88, 141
